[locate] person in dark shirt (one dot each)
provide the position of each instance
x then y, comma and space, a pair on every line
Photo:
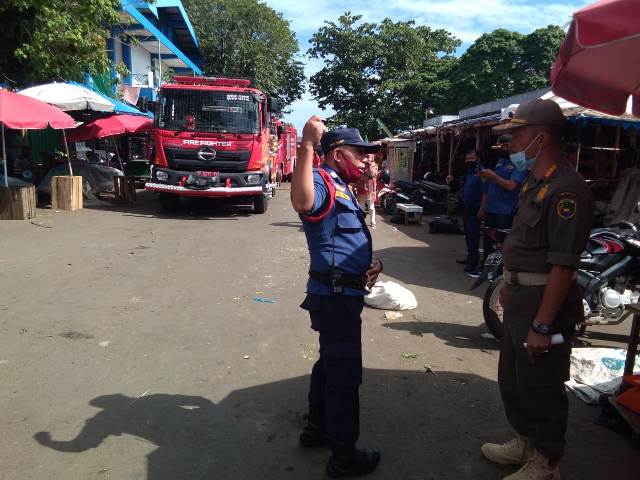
472, 199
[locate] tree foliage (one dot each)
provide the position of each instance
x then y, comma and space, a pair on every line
395, 70
45, 40
390, 71
248, 39
504, 63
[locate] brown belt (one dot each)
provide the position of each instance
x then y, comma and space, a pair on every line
527, 279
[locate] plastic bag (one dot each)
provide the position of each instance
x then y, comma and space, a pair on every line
391, 296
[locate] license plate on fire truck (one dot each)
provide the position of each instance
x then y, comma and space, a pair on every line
213, 176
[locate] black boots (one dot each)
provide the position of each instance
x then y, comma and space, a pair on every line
358, 462
312, 436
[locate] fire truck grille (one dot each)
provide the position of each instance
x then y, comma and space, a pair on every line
187, 160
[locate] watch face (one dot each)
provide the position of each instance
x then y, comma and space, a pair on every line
541, 328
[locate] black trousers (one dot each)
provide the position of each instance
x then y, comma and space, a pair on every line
534, 396
472, 236
337, 375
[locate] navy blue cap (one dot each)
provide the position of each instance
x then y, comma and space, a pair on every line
346, 136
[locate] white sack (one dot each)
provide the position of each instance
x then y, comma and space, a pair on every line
391, 296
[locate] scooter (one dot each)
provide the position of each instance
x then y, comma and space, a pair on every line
609, 274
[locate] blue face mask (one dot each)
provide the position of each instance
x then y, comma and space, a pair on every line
520, 160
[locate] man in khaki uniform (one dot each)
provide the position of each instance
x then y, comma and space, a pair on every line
541, 297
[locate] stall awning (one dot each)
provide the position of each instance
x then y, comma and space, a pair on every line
110, 126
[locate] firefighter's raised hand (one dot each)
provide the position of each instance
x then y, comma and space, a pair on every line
312, 131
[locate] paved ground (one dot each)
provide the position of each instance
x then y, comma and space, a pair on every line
131, 348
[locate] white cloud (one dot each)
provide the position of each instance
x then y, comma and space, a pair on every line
466, 19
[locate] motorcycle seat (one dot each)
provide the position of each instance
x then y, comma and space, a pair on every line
437, 186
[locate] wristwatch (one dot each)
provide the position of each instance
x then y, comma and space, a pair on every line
542, 328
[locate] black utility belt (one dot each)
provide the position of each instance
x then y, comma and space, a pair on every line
337, 280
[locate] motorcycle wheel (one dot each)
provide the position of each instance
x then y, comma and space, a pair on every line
389, 205
492, 309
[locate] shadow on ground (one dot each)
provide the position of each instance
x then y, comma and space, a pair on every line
297, 225
454, 335
427, 425
148, 205
428, 266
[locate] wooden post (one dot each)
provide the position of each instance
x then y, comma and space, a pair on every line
452, 140
634, 337
66, 193
17, 203
125, 189
438, 148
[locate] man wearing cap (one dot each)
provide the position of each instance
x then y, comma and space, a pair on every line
501, 196
341, 267
541, 297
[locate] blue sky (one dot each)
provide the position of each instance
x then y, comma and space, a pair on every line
466, 19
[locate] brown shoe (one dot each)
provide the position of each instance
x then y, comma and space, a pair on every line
538, 467
514, 452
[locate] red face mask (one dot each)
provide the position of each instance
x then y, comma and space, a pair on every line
348, 171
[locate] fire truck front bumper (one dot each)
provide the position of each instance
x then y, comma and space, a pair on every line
208, 192
207, 184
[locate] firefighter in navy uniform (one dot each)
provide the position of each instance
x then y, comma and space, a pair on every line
541, 296
341, 267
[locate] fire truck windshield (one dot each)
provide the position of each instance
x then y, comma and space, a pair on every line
208, 111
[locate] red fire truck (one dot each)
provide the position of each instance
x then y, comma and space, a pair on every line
211, 139
285, 136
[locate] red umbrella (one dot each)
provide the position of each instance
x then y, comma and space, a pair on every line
598, 65
19, 111
109, 126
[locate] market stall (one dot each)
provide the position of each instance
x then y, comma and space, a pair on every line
20, 112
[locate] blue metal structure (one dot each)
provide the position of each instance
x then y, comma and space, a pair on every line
163, 38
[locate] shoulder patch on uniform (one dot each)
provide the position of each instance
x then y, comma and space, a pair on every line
342, 195
566, 208
542, 192
566, 194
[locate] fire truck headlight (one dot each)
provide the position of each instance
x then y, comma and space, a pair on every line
254, 179
162, 176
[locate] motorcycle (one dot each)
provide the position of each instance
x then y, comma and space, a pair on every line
390, 194
430, 195
609, 274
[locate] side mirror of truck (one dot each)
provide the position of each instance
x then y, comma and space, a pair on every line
281, 130
274, 105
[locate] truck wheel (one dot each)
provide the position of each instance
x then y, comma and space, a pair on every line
170, 202
260, 204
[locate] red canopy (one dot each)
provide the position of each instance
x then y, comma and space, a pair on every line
19, 111
598, 66
109, 126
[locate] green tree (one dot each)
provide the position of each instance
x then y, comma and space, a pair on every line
248, 39
504, 63
45, 40
539, 51
391, 71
